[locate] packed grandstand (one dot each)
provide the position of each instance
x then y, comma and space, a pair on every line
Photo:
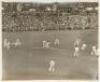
43, 17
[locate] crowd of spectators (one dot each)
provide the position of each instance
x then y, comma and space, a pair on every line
49, 21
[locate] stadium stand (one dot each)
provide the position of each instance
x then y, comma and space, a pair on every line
54, 20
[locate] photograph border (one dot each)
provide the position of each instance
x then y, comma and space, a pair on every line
45, 2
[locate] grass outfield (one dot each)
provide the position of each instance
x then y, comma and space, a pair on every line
31, 61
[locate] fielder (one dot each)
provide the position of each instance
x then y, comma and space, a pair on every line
17, 43
47, 44
77, 42
83, 46
7, 43
44, 44
94, 51
76, 52
57, 42
51, 66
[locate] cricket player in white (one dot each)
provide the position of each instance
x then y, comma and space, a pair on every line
44, 44
57, 42
77, 42
17, 43
76, 52
47, 44
83, 46
94, 51
7, 43
51, 66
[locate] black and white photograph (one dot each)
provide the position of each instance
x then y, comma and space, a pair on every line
50, 41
